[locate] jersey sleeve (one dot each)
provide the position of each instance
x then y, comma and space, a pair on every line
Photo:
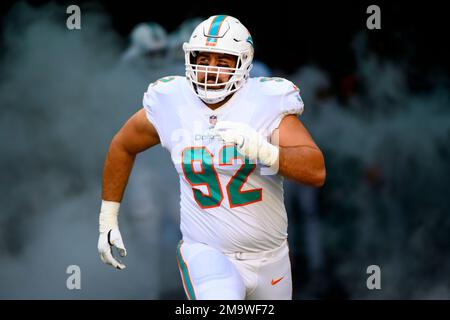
289, 102
158, 103
151, 105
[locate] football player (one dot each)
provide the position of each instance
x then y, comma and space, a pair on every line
232, 139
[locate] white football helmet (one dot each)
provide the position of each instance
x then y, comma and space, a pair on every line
146, 38
221, 34
149, 36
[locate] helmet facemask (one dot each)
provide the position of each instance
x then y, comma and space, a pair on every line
217, 91
219, 34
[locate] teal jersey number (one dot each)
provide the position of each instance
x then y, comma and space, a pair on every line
207, 176
236, 196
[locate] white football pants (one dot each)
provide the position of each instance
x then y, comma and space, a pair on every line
209, 274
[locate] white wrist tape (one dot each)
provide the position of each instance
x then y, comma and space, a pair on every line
108, 215
268, 153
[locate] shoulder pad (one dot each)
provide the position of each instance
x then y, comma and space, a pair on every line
275, 85
165, 85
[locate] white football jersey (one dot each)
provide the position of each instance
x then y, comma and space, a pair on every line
227, 201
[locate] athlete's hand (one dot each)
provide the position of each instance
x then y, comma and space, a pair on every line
106, 242
110, 235
248, 141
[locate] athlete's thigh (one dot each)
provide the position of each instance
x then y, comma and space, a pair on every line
207, 274
274, 279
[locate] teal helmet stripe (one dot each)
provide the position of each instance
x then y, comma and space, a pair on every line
215, 27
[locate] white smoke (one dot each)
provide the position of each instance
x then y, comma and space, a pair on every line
386, 197
63, 95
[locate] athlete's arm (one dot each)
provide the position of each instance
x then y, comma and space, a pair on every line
299, 157
137, 135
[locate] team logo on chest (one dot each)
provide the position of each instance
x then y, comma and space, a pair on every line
207, 135
212, 120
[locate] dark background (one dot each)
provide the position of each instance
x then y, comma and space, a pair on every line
382, 121
297, 32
